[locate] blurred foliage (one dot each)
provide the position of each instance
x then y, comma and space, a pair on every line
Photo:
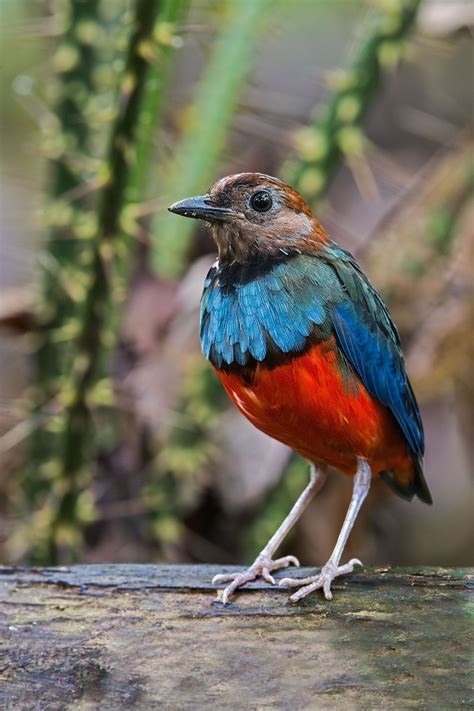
93, 263
180, 471
428, 280
109, 144
72, 141
68, 143
336, 133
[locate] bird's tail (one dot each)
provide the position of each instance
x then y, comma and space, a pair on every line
408, 484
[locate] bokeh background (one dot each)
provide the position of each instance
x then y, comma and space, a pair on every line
117, 443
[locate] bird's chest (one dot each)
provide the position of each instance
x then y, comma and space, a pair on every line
251, 319
307, 402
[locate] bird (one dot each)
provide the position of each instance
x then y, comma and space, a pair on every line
306, 349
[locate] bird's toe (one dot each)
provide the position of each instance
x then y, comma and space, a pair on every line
262, 567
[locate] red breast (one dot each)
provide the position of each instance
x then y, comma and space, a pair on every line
310, 406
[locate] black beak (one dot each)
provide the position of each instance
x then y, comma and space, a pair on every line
201, 208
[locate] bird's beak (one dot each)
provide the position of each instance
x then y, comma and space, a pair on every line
201, 208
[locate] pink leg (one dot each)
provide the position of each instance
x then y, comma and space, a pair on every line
332, 569
264, 563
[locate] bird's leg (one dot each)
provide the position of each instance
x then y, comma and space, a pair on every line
332, 568
264, 563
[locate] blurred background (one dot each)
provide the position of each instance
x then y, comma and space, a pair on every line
117, 443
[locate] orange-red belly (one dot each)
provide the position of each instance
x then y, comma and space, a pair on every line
307, 405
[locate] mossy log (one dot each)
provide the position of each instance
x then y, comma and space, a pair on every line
148, 636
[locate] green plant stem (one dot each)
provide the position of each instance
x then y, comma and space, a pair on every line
74, 60
166, 41
335, 133
112, 254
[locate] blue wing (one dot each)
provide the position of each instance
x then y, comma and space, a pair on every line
276, 309
369, 340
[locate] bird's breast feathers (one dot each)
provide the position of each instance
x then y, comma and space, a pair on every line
249, 314
306, 404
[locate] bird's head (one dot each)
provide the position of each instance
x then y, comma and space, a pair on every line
254, 215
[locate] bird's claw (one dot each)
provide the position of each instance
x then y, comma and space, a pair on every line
262, 567
328, 573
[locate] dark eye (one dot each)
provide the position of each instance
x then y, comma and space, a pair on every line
261, 201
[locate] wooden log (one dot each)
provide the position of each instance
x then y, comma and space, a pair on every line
151, 636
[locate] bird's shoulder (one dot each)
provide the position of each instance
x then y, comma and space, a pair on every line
360, 292
267, 310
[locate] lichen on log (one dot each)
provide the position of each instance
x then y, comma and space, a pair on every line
110, 636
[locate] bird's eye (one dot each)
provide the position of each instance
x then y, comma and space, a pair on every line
261, 201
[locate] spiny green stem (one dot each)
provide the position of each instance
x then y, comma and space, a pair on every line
111, 256
335, 133
74, 60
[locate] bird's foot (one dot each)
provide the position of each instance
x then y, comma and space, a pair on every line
262, 567
323, 580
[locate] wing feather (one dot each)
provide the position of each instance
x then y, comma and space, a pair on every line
369, 340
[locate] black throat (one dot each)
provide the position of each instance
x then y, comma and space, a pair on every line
231, 274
